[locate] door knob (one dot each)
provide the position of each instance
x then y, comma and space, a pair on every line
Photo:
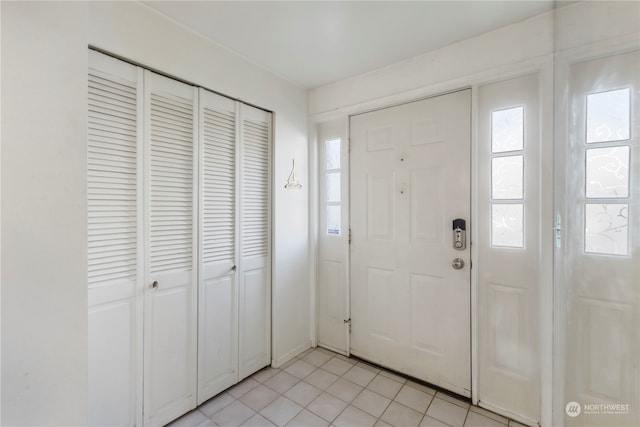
154, 285
457, 263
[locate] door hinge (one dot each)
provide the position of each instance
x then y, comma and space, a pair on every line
349, 237
347, 322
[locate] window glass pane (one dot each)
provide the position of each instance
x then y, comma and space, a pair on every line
332, 154
333, 187
608, 172
507, 175
507, 130
333, 220
608, 116
606, 228
507, 225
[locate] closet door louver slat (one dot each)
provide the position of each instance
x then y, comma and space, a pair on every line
219, 185
255, 201
171, 176
111, 179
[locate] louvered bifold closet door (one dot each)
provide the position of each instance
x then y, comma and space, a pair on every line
255, 243
113, 232
170, 330
218, 293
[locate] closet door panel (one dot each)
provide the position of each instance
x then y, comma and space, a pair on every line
255, 246
170, 340
218, 302
113, 246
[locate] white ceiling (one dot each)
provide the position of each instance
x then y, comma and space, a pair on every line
313, 43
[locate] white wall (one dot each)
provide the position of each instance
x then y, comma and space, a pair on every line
138, 33
44, 292
44, 90
452, 67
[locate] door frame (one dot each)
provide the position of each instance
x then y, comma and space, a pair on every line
544, 66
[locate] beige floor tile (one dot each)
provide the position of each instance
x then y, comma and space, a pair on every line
432, 422
369, 367
393, 376
281, 411
303, 393
305, 353
420, 387
245, 386
327, 406
359, 375
265, 374
326, 392
288, 363
307, 419
192, 419
414, 399
321, 379
451, 399
371, 402
258, 421
300, 369
317, 358
344, 358
259, 397
344, 390
489, 414
354, 417
401, 416
337, 366
207, 423
385, 386
447, 412
281, 382
476, 420
215, 404
233, 415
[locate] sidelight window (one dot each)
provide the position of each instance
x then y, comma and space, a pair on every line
507, 178
333, 196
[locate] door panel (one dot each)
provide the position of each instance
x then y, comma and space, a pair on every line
218, 302
114, 230
510, 257
333, 236
410, 178
601, 251
170, 339
255, 241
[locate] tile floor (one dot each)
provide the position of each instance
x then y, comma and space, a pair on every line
322, 388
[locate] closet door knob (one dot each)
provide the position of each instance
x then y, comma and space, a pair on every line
154, 285
234, 268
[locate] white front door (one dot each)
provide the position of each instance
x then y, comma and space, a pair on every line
601, 251
170, 327
410, 179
